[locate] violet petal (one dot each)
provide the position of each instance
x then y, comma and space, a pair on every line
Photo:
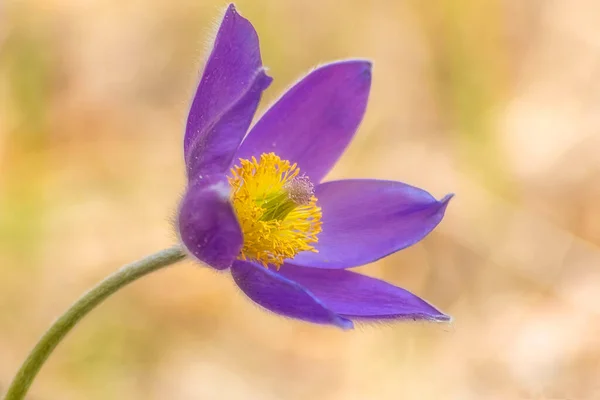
313, 122
226, 98
207, 223
359, 297
282, 296
365, 220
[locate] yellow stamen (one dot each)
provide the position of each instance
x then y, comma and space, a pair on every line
276, 209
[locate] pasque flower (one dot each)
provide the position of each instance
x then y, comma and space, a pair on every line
255, 203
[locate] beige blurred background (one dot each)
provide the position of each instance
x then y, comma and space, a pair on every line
495, 100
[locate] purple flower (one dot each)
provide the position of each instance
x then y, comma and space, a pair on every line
255, 202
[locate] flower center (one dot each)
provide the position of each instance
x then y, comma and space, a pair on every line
276, 209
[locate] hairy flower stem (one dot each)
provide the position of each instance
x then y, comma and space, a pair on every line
129, 273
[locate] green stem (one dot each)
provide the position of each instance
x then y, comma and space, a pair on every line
129, 273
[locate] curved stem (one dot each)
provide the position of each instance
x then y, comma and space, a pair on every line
129, 273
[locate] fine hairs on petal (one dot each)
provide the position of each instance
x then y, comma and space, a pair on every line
210, 37
204, 49
363, 325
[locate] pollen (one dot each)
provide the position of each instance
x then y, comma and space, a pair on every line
276, 208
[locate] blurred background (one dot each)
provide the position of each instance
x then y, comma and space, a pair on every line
497, 101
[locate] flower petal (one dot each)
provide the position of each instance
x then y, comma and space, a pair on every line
207, 223
357, 296
313, 122
227, 97
282, 296
213, 152
365, 220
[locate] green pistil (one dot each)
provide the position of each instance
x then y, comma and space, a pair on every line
277, 207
